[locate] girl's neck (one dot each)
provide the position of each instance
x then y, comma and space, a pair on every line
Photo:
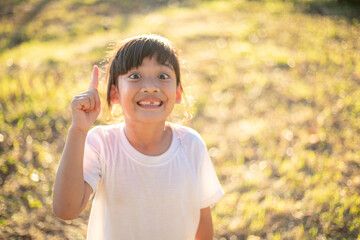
150, 139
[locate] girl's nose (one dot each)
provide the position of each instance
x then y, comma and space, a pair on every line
150, 85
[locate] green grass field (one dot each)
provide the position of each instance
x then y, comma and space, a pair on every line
275, 93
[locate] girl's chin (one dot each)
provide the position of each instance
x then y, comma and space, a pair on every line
146, 118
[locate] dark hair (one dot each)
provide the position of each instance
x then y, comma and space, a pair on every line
132, 51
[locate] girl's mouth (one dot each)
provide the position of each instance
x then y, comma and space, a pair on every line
149, 103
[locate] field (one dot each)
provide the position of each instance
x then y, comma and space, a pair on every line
274, 87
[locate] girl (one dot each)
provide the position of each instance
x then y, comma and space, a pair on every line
152, 179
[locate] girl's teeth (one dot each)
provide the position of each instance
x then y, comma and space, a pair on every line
150, 103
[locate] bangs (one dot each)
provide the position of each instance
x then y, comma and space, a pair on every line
133, 52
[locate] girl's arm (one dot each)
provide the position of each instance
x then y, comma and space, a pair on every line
205, 230
71, 192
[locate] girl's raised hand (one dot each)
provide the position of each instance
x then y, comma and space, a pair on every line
86, 106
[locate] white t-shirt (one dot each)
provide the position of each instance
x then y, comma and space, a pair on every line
147, 197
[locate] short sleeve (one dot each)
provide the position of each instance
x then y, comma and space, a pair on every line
92, 159
210, 188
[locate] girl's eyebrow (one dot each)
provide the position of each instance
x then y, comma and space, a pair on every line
168, 65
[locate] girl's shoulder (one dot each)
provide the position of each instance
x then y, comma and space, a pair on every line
105, 131
187, 134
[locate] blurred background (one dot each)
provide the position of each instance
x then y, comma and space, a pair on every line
275, 94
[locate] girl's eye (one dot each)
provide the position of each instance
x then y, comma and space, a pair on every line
164, 76
135, 76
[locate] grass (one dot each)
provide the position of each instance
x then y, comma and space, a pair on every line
275, 94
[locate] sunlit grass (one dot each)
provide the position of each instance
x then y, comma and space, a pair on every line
275, 94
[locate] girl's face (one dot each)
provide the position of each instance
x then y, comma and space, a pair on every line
148, 93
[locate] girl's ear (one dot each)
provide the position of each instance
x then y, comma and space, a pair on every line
114, 95
178, 94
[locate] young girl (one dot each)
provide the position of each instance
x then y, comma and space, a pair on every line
152, 179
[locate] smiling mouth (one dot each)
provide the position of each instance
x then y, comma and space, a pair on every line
150, 103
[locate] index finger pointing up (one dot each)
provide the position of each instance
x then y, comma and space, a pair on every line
95, 78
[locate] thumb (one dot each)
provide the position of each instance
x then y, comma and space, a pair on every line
95, 78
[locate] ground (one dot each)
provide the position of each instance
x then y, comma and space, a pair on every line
274, 88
